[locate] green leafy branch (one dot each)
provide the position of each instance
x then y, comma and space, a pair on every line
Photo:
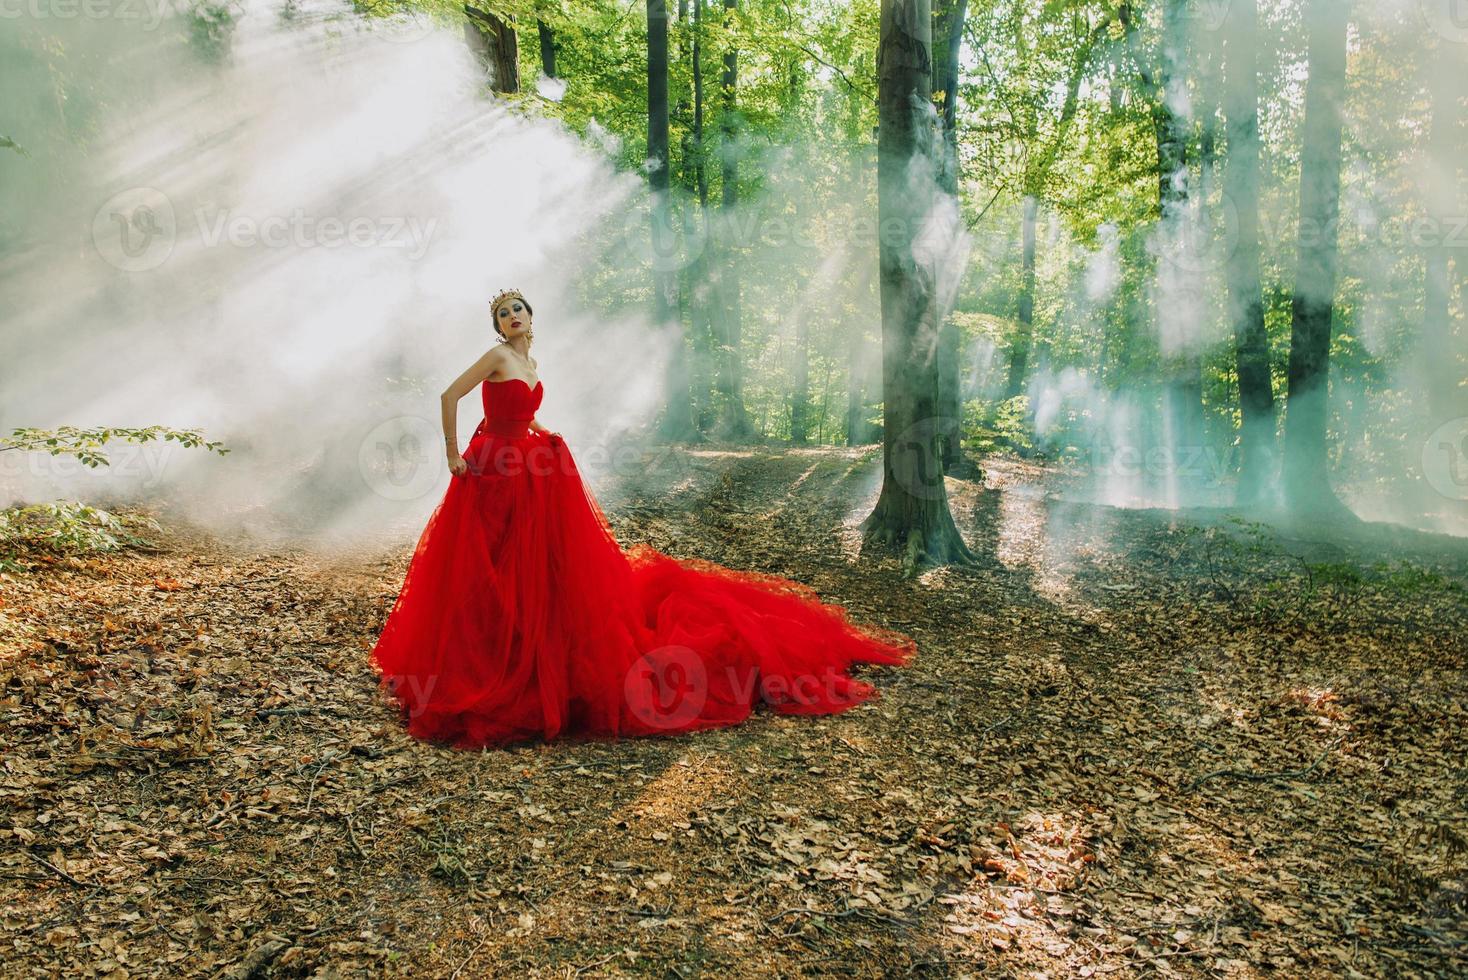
67, 527
86, 444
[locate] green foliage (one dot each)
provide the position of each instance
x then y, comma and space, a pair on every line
1255, 538
67, 527
85, 445
1409, 578
1402, 577
1053, 103
1342, 576
211, 27
71, 527
443, 12
990, 427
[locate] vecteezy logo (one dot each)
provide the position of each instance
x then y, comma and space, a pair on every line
135, 229
396, 461
658, 236
1208, 14
1195, 241
667, 688
1445, 459
1449, 18
920, 446
411, 690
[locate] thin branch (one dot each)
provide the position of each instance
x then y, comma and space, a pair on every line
53, 868
1260, 777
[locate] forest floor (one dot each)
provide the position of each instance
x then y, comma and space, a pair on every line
1129, 745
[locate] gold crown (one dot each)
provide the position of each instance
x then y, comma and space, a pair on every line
503, 294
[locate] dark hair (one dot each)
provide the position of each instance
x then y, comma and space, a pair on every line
494, 314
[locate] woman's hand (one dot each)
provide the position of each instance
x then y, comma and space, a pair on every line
457, 466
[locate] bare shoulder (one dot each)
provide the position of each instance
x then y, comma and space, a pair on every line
482, 369
495, 358
495, 361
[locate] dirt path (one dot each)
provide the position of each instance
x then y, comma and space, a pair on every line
1126, 748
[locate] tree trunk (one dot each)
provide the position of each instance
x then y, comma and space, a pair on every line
547, 49
858, 430
693, 275
700, 169
912, 512
1208, 83
1442, 369
950, 399
825, 404
1019, 352
497, 47
703, 292
1246, 294
1182, 366
693, 292
856, 423
734, 421
1307, 475
800, 396
948, 20
677, 423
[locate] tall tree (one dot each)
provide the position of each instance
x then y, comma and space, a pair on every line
677, 423
694, 288
948, 20
912, 512
1440, 357
1306, 474
1024, 337
734, 422
1177, 282
1042, 138
800, 387
859, 431
494, 41
547, 48
1246, 293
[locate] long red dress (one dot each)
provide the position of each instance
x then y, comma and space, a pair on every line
521, 617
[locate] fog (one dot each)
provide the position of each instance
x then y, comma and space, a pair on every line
293, 249
289, 241
1400, 457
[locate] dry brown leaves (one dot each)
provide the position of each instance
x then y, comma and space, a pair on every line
1127, 747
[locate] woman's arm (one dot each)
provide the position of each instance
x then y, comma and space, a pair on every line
449, 404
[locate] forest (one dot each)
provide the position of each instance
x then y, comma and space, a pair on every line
1114, 351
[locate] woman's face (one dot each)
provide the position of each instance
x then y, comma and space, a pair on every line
512, 317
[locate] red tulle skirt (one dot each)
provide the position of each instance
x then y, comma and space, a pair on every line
521, 618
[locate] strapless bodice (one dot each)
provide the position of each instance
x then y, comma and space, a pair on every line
509, 406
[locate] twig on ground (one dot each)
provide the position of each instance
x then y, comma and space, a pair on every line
329, 758
1266, 776
465, 962
352, 836
595, 963
66, 877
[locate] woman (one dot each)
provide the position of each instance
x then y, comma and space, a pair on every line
522, 618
